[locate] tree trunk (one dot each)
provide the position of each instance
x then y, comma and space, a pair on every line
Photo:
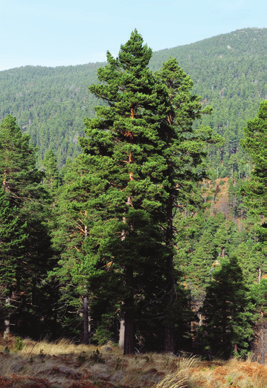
36, 330
122, 330
169, 343
129, 333
263, 339
85, 321
259, 278
7, 320
89, 328
169, 326
128, 314
126, 340
85, 305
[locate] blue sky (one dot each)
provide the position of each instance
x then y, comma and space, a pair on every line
71, 32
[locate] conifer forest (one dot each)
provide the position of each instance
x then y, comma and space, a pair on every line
133, 199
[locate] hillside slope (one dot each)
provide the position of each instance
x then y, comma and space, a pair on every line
227, 70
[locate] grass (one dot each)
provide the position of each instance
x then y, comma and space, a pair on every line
65, 365
218, 374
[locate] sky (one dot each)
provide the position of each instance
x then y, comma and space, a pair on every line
71, 32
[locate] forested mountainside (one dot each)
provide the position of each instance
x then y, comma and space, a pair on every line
50, 104
228, 71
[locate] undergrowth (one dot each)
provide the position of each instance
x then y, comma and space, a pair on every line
29, 364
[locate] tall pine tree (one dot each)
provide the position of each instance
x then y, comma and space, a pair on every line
27, 260
184, 152
253, 190
125, 142
145, 146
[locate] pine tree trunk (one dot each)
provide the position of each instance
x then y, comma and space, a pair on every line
169, 326
129, 334
85, 321
89, 328
122, 331
129, 316
85, 306
36, 330
263, 339
169, 341
127, 319
169, 344
7, 320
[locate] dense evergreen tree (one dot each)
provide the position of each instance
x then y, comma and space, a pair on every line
125, 140
253, 190
12, 240
75, 208
146, 155
254, 193
185, 154
49, 164
26, 260
229, 312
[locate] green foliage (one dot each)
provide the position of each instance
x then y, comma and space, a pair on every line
49, 165
229, 312
125, 217
82, 358
254, 190
129, 152
19, 345
96, 357
227, 71
140, 148
101, 335
74, 212
49, 103
25, 248
13, 236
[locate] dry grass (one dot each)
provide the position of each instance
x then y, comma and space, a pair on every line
65, 365
217, 374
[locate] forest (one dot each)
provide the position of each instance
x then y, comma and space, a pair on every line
135, 212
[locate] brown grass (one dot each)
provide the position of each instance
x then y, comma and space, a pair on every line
233, 373
65, 365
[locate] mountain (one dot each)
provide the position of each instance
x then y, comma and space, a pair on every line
228, 72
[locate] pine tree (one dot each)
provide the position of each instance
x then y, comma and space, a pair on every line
12, 240
77, 201
185, 153
254, 192
142, 150
27, 258
49, 164
228, 311
124, 141
254, 143
12, 237
18, 170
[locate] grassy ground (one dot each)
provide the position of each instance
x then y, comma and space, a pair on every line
64, 365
